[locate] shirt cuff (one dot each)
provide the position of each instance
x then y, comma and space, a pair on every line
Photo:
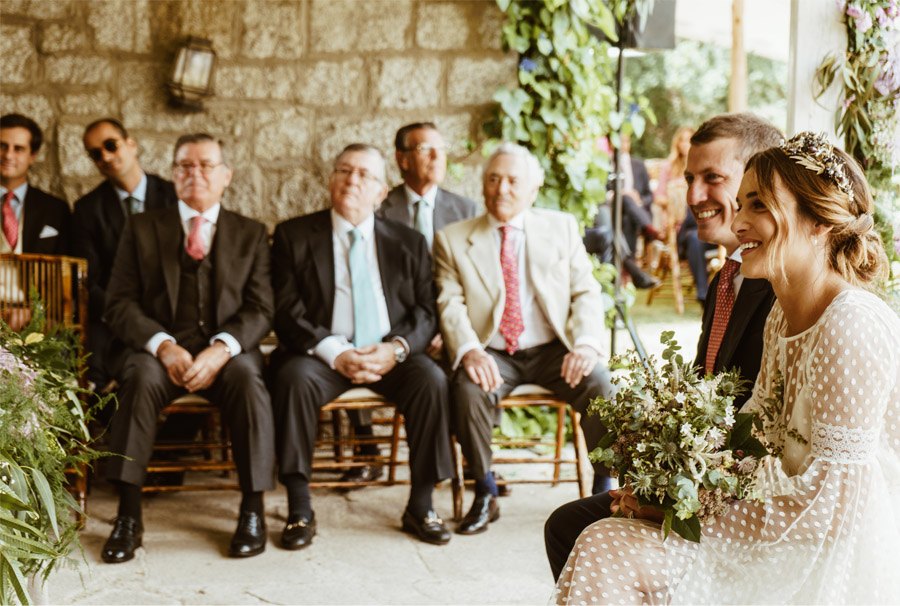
229, 341
157, 340
402, 342
463, 350
592, 343
330, 348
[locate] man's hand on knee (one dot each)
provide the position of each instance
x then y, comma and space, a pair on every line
579, 363
175, 359
206, 367
359, 365
482, 369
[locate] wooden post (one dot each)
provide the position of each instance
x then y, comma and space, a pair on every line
737, 90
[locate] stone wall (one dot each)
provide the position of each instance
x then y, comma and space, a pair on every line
296, 80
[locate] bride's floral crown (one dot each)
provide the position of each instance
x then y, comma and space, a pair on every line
814, 152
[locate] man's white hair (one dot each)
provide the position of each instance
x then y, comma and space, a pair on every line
532, 165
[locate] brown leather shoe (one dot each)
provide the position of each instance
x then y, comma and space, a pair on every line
484, 511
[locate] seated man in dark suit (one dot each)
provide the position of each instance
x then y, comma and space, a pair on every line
33, 220
191, 296
719, 150
354, 305
98, 221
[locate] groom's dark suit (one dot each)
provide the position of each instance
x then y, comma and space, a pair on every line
741, 348
156, 287
41, 212
98, 221
303, 274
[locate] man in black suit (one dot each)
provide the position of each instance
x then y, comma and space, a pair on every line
33, 220
354, 305
191, 296
719, 150
98, 221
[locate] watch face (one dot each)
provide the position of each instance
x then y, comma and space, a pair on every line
399, 353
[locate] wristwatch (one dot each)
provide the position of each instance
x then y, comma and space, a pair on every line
399, 351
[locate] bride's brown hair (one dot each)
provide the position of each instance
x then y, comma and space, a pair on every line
853, 246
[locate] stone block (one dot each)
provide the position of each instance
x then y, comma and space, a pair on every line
333, 134
245, 194
456, 129
406, 83
283, 134
273, 29
251, 82
40, 9
442, 26
174, 21
464, 178
56, 37
155, 153
490, 21
88, 104
349, 25
34, 106
474, 81
78, 70
72, 159
331, 83
298, 192
18, 54
120, 25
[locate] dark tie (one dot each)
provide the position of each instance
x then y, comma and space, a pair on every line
10, 223
511, 324
722, 311
133, 205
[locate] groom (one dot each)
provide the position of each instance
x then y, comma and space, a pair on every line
731, 338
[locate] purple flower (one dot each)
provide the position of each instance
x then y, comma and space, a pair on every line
527, 65
882, 17
854, 11
841, 5
864, 23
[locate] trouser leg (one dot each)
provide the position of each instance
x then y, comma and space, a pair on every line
567, 522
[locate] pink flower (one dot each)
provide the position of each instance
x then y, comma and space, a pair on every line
854, 11
864, 23
848, 101
882, 17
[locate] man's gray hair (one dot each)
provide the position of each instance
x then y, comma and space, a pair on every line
532, 165
369, 149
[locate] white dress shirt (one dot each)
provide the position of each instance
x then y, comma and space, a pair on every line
207, 232
342, 324
429, 198
738, 278
18, 206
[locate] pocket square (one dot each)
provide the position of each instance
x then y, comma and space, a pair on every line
48, 232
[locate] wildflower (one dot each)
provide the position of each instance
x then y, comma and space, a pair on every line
864, 23
854, 11
527, 65
715, 437
746, 465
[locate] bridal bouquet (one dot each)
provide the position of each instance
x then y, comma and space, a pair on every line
675, 440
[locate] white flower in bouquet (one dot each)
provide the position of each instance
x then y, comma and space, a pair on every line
674, 439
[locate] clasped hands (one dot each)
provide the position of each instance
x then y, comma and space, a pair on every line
194, 374
483, 371
367, 364
624, 502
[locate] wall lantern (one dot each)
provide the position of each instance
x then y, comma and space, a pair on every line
192, 76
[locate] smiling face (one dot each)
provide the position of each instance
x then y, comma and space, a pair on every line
115, 156
776, 240
508, 188
713, 175
15, 156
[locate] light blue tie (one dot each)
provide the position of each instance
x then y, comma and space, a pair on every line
423, 225
365, 314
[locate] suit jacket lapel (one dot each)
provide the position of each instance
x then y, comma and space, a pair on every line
389, 266
112, 208
154, 197
226, 231
442, 215
397, 206
31, 227
538, 242
750, 296
321, 247
170, 235
485, 256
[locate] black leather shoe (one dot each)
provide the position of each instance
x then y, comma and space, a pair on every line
430, 529
298, 532
484, 511
503, 488
361, 475
126, 536
250, 537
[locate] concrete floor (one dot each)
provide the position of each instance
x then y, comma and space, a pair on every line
360, 555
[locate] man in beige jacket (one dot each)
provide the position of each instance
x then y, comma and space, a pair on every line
518, 304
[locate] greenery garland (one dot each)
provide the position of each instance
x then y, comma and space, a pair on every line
868, 117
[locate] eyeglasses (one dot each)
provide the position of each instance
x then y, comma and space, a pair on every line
426, 149
110, 145
345, 172
186, 168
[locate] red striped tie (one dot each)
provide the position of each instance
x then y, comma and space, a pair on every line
10, 224
722, 311
511, 325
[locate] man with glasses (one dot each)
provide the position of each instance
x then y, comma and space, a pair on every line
191, 296
33, 221
354, 305
99, 218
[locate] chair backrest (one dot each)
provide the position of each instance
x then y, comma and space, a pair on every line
61, 284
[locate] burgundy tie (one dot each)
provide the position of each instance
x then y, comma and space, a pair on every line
722, 311
511, 326
196, 247
10, 224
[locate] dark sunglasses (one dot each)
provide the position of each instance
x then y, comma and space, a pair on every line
110, 145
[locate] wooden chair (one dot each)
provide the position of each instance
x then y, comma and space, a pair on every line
61, 284
523, 396
667, 266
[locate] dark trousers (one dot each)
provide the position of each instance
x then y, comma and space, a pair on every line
694, 250
568, 521
635, 218
302, 385
474, 409
246, 409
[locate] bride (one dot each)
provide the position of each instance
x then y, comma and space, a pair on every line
828, 529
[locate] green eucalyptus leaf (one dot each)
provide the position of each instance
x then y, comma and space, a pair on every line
688, 529
16, 580
46, 496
